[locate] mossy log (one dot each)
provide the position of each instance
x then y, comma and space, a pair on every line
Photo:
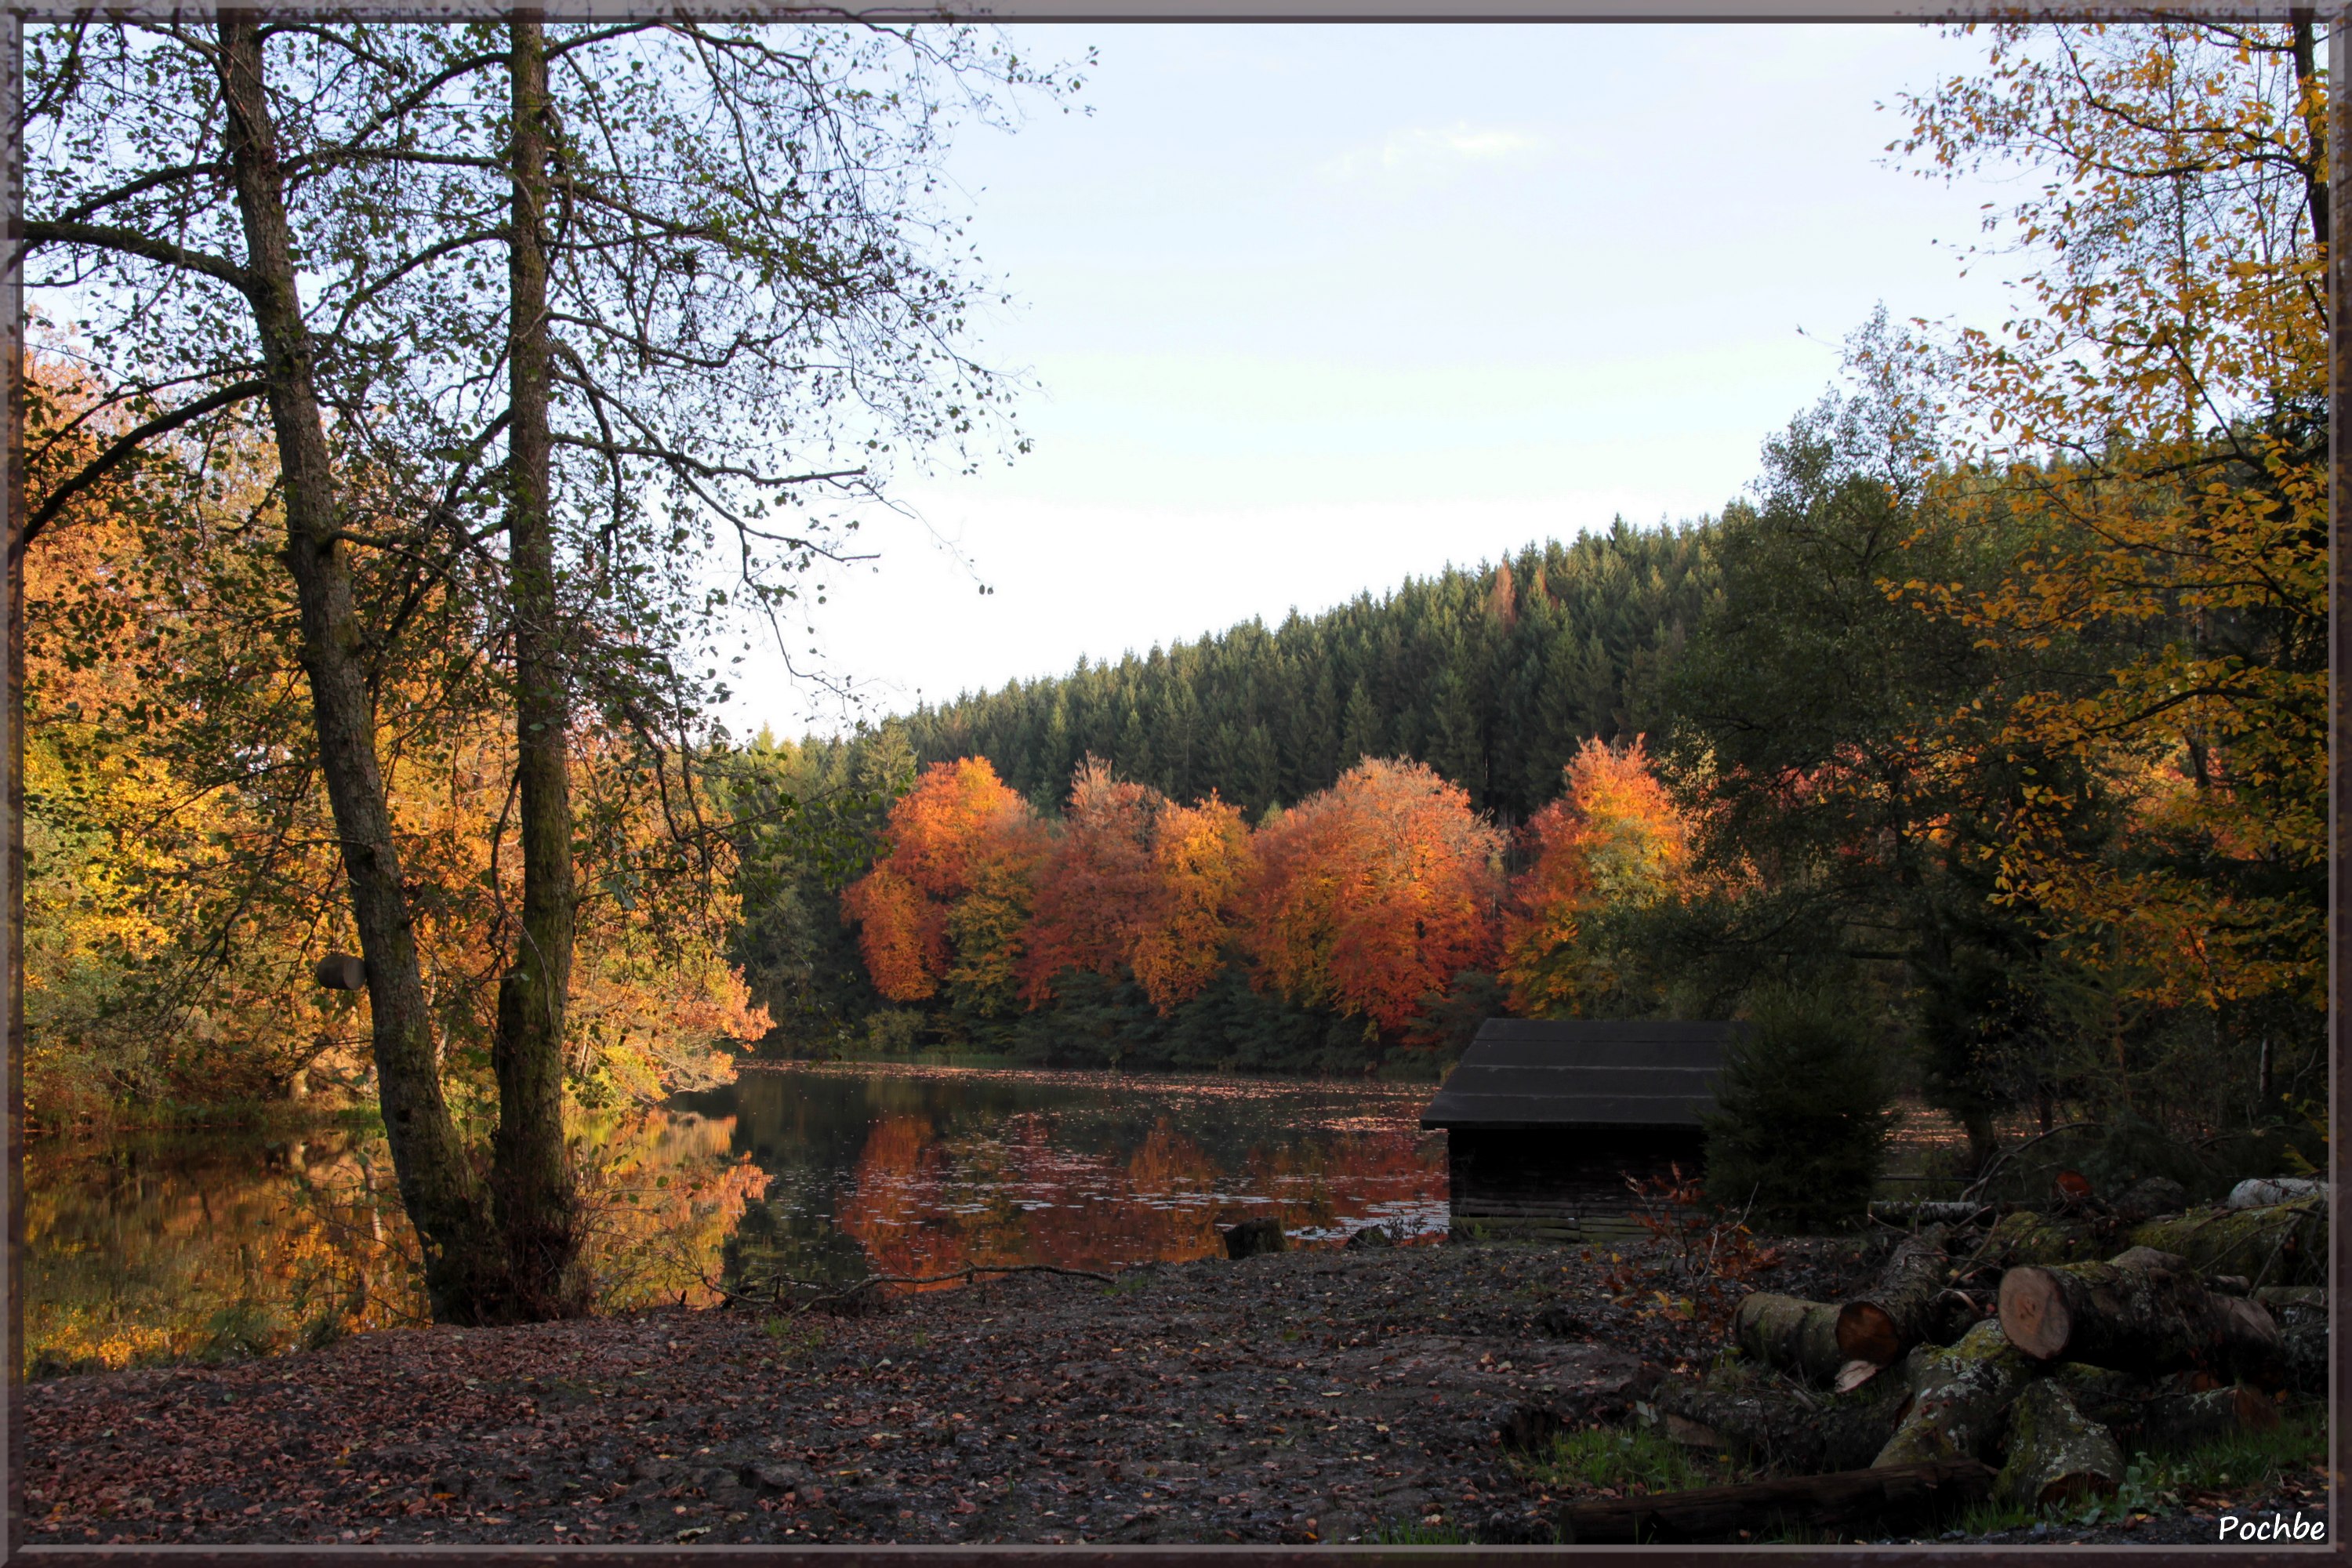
2286, 1245
2055, 1453
1790, 1335
2283, 1245
2166, 1416
1784, 1429
1959, 1398
2025, 1236
2180, 1419
2113, 1399
2303, 1346
2149, 1319
1844, 1500
1903, 1307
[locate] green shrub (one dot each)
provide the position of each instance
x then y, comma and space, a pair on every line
1803, 1112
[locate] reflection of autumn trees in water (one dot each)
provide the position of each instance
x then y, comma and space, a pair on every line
924, 1202
666, 1192
192, 1248
168, 1249
173, 1250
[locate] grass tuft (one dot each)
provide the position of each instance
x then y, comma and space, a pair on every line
1614, 1458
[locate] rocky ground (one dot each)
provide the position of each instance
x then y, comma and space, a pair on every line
1309, 1396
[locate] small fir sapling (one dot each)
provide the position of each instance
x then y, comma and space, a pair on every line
1802, 1119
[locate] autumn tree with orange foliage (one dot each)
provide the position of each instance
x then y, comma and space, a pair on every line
1135, 884
1374, 894
945, 908
1613, 841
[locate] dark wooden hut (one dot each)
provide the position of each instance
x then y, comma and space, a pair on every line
1546, 1119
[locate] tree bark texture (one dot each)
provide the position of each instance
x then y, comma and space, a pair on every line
2283, 1245
465, 1269
1790, 1335
532, 1189
2143, 1320
1903, 1307
2303, 1344
1847, 1499
2163, 1416
2055, 1453
1784, 1429
1959, 1398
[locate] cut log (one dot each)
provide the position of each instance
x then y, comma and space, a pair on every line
1790, 1335
1930, 1211
2277, 1296
1901, 1307
2116, 1400
2285, 1244
2146, 1199
2145, 1415
2146, 1320
2055, 1453
2180, 1419
1781, 1427
1959, 1398
2303, 1346
2025, 1236
2149, 1257
1845, 1501
2256, 1192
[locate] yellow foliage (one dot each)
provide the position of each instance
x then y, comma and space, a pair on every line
2157, 423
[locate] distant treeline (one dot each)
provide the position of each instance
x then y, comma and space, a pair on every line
1493, 675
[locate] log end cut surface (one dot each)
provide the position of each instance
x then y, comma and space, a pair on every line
2034, 1314
1866, 1331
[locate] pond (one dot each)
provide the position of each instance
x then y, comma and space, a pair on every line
155, 1247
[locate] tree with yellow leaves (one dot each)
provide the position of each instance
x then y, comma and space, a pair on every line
2155, 426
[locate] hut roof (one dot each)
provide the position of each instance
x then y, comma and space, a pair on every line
1537, 1072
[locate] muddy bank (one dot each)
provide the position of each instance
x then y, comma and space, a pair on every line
1310, 1396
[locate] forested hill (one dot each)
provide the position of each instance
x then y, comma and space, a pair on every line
1491, 675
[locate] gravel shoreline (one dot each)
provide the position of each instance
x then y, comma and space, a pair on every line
1312, 1396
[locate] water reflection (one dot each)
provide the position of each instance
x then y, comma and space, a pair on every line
154, 1248
921, 1173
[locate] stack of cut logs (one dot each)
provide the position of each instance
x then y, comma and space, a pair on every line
1995, 1361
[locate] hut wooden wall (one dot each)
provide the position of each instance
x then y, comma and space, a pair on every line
1560, 1174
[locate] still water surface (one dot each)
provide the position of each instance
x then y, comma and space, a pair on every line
144, 1249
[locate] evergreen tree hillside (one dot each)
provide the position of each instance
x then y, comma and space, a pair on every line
1493, 677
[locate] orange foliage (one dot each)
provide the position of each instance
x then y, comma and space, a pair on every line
1202, 856
1614, 838
1135, 881
1374, 893
947, 900
1096, 886
185, 875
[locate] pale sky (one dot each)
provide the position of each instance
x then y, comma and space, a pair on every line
1314, 308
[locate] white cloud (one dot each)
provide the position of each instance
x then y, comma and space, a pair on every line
1419, 152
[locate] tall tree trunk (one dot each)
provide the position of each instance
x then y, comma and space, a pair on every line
465, 1269
532, 1181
